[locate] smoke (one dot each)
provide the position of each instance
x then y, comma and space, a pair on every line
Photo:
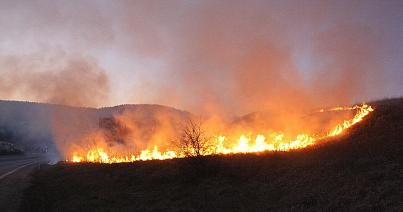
54, 79
119, 130
226, 57
238, 57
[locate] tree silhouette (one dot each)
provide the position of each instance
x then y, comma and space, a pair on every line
193, 141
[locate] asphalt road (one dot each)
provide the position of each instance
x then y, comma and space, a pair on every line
15, 176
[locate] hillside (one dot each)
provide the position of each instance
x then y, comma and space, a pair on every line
362, 170
36, 126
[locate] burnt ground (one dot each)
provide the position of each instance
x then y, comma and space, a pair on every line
360, 171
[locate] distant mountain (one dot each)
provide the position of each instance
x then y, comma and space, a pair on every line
36, 125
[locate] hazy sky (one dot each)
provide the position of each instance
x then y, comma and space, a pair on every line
232, 56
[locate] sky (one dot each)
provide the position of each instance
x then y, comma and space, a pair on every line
230, 57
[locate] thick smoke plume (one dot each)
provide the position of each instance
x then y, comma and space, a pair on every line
226, 57
68, 81
240, 57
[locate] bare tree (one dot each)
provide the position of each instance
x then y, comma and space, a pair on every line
193, 141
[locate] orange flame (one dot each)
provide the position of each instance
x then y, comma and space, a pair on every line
275, 141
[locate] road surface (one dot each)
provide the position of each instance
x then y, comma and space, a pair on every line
14, 177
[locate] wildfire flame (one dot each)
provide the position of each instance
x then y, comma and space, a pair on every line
275, 141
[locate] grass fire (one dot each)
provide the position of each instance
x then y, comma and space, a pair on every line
212, 105
357, 169
196, 144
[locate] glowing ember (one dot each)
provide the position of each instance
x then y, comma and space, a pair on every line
274, 141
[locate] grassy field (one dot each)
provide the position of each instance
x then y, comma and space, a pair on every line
362, 170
